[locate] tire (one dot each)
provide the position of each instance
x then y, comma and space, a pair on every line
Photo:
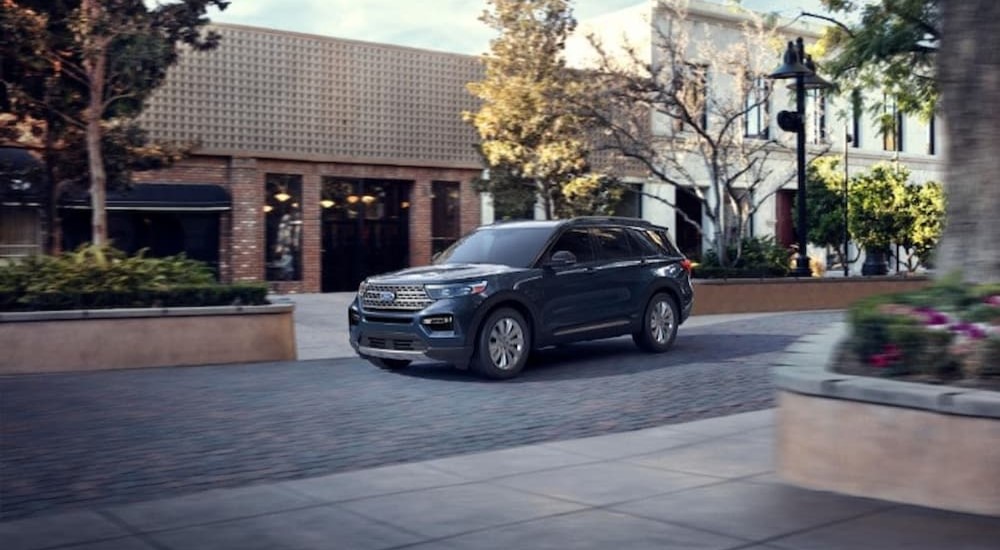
390, 364
502, 345
659, 325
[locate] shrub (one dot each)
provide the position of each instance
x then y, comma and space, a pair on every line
944, 331
759, 257
102, 277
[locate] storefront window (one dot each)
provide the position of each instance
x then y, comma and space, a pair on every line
283, 212
20, 232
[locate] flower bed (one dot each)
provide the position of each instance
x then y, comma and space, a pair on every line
947, 333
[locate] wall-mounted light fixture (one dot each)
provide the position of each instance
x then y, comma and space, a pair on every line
327, 203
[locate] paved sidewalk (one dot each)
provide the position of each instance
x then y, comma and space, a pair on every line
708, 484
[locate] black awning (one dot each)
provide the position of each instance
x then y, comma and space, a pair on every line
159, 197
22, 177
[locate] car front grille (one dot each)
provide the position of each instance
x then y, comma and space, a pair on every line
395, 298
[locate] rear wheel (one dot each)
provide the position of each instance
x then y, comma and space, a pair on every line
503, 344
659, 325
390, 364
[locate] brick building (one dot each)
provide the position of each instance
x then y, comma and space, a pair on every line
340, 158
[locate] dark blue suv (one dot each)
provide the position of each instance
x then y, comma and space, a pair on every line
511, 287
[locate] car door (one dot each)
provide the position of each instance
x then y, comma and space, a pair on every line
618, 274
567, 295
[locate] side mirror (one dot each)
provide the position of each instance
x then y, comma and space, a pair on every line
561, 258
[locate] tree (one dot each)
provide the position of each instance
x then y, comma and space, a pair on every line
931, 48
85, 67
529, 125
658, 113
825, 205
969, 67
885, 209
891, 47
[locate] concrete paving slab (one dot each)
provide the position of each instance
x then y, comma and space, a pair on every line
587, 530
207, 507
729, 457
627, 444
755, 511
319, 528
58, 530
449, 511
902, 528
728, 425
372, 482
507, 462
604, 483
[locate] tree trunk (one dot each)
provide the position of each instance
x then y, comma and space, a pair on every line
96, 64
969, 72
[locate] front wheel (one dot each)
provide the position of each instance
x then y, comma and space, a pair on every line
390, 364
502, 345
659, 325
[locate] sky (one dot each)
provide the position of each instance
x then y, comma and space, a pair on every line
445, 25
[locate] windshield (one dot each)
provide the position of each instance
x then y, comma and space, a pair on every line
516, 247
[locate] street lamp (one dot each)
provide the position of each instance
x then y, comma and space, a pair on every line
796, 64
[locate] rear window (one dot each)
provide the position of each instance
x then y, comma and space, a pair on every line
516, 247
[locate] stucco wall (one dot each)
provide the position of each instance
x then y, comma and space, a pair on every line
95, 340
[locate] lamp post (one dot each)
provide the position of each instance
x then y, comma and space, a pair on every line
847, 177
797, 65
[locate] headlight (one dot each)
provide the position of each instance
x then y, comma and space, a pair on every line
362, 287
439, 292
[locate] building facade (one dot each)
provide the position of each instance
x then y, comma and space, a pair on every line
709, 33
341, 158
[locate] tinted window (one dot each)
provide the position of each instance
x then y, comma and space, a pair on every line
662, 240
612, 243
516, 247
576, 241
643, 245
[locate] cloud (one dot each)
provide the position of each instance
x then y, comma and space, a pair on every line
446, 25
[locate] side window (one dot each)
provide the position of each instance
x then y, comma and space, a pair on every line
612, 244
662, 240
576, 241
643, 245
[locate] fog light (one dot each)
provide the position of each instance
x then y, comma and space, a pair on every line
438, 322
353, 317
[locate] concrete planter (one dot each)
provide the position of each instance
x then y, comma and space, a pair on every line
936, 446
713, 296
56, 341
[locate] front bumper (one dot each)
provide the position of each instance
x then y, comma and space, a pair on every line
403, 335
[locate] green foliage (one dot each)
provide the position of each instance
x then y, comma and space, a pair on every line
825, 203
947, 330
891, 47
78, 68
755, 257
98, 277
529, 124
885, 209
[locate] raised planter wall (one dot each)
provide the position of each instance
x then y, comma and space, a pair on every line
929, 445
61, 341
712, 296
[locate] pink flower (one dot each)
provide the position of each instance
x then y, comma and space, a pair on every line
993, 300
932, 317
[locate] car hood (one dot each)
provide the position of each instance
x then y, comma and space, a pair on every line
443, 273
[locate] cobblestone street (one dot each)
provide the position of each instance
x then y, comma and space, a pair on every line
78, 440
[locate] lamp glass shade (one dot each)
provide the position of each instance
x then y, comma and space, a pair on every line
790, 66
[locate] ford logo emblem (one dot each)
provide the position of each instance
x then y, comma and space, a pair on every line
386, 296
